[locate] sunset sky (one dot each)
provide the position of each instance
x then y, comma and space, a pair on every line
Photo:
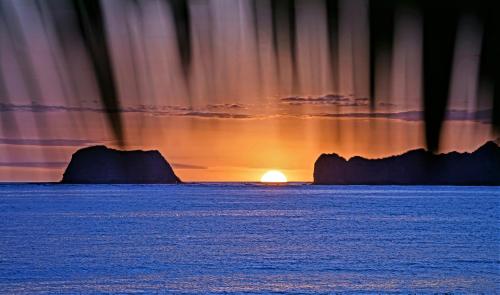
238, 111
228, 149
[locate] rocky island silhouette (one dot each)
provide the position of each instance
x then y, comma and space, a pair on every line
100, 165
415, 167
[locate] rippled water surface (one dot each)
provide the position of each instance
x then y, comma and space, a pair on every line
211, 238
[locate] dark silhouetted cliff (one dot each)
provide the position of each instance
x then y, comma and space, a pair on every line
99, 164
482, 167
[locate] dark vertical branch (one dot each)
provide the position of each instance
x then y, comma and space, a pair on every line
332, 13
255, 20
52, 47
182, 20
133, 54
275, 21
490, 61
205, 38
134, 61
17, 38
148, 70
274, 14
292, 28
440, 23
91, 24
65, 28
61, 15
8, 120
3, 88
284, 24
381, 37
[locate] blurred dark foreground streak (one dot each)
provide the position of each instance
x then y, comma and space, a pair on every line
79, 36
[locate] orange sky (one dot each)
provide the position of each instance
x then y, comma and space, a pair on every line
240, 111
215, 149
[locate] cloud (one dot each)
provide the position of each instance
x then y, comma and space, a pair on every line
148, 109
483, 116
48, 142
225, 106
219, 115
7, 107
232, 111
329, 99
405, 116
155, 109
47, 165
187, 166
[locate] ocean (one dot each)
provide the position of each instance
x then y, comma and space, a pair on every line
248, 238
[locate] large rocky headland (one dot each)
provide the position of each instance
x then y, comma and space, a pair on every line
416, 167
99, 164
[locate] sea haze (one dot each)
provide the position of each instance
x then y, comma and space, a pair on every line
251, 238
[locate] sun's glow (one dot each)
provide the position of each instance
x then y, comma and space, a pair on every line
273, 176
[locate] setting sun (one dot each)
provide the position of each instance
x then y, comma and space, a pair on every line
273, 176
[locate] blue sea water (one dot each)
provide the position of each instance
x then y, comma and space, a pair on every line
248, 238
